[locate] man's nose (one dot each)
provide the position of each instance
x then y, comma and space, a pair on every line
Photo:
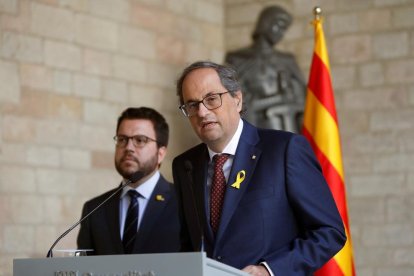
130, 144
202, 110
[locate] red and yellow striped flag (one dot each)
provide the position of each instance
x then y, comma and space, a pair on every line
320, 127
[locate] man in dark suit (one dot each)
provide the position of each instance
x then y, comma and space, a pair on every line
151, 224
278, 216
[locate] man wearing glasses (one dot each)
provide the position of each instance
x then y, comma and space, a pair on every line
252, 198
143, 217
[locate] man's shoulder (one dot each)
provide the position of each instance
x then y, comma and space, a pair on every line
191, 153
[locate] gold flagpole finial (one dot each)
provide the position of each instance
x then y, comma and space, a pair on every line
317, 11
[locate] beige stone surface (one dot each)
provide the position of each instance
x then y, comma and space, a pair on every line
69, 67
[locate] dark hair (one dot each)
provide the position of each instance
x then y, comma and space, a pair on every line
227, 75
158, 121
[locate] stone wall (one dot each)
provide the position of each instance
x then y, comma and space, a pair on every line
69, 67
67, 70
371, 47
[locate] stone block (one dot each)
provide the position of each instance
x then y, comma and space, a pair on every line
375, 19
97, 137
367, 210
62, 133
97, 62
351, 49
343, 77
62, 55
62, 82
56, 182
17, 179
96, 182
9, 83
17, 22
130, 69
372, 143
8, 6
371, 74
52, 22
170, 49
392, 119
402, 17
87, 86
209, 12
390, 45
182, 7
115, 91
152, 18
22, 47
212, 35
37, 77
43, 156
399, 209
44, 237
117, 10
137, 42
397, 162
162, 75
19, 129
95, 32
13, 153
76, 159
245, 14
26, 209
364, 185
343, 23
18, 238
146, 96
102, 159
100, 113
382, 98
399, 71
394, 271
392, 235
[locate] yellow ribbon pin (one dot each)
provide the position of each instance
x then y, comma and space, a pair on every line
240, 177
159, 198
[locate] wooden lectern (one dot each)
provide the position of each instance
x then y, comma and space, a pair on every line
166, 264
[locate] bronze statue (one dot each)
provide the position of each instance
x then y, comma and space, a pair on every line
274, 88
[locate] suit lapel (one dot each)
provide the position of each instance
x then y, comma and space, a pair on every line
159, 199
112, 217
245, 160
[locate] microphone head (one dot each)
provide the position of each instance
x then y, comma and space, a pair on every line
135, 177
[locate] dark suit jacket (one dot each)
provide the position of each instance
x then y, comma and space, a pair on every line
282, 214
158, 231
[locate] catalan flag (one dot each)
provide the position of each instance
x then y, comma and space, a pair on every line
320, 127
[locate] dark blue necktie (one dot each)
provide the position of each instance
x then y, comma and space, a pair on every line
131, 222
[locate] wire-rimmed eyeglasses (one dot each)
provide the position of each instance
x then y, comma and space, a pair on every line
211, 101
138, 141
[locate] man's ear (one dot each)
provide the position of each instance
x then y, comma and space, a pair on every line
162, 152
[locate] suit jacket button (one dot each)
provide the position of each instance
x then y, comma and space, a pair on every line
219, 258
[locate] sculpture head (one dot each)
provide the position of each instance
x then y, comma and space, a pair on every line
272, 24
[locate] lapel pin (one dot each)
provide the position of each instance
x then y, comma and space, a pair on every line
253, 157
240, 177
159, 198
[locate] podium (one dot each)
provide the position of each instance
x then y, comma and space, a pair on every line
164, 264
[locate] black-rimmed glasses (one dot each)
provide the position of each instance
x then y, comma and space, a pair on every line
138, 141
211, 101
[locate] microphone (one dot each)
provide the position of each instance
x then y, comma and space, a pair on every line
134, 178
189, 169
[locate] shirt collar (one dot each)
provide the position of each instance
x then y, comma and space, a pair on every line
231, 147
146, 188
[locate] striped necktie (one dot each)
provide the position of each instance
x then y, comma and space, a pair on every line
131, 222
